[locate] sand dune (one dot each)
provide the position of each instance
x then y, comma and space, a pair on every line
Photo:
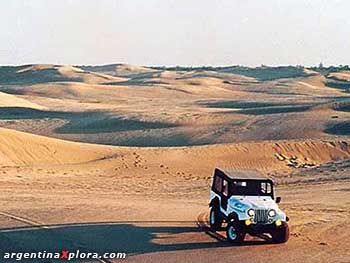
36, 67
66, 193
161, 107
19, 148
127, 69
343, 75
8, 100
282, 121
46, 73
119, 70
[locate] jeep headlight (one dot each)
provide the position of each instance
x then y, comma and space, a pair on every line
272, 213
251, 212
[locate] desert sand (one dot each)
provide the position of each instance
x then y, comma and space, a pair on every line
120, 158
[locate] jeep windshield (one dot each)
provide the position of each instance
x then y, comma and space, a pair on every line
251, 188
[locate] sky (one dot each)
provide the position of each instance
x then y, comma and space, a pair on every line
175, 32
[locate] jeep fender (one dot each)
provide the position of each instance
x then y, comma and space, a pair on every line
233, 217
214, 202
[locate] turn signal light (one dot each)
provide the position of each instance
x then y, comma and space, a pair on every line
278, 222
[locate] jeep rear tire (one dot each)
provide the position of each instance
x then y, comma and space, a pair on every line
281, 234
215, 220
234, 233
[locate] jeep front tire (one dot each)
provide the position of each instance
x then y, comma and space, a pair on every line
234, 233
281, 234
215, 220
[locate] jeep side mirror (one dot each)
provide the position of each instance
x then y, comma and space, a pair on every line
278, 199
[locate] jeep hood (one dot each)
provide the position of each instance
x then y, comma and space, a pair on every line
255, 202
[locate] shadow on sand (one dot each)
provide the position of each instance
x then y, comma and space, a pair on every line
111, 237
82, 122
258, 108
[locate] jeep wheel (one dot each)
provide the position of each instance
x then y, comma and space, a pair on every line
281, 234
234, 233
215, 220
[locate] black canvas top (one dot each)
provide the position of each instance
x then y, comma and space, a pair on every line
244, 174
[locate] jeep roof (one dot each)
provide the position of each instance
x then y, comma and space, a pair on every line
241, 174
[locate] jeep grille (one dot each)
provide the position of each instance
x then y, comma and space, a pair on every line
261, 216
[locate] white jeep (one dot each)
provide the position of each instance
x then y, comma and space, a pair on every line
245, 201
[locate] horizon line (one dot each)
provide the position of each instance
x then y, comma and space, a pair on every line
181, 66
